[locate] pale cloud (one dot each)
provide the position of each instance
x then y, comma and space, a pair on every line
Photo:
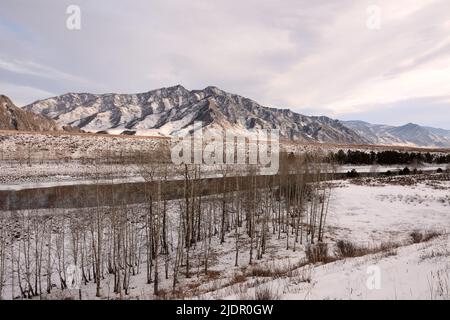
427, 81
24, 94
35, 69
432, 111
310, 56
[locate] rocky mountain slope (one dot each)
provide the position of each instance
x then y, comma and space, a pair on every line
173, 111
14, 118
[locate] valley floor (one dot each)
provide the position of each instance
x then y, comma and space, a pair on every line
379, 215
33, 160
19, 175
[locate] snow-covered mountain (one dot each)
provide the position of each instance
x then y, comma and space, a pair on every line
439, 132
410, 134
173, 111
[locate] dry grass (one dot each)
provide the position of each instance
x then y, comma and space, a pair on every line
424, 236
318, 253
302, 275
273, 270
238, 278
444, 252
266, 293
213, 275
265, 271
346, 249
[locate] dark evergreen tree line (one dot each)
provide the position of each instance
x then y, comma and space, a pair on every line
390, 157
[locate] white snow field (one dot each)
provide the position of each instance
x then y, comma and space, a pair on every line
369, 216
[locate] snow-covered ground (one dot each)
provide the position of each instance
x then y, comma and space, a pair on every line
369, 216
382, 211
418, 271
414, 272
368, 213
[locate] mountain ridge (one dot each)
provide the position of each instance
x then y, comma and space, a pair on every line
410, 134
173, 111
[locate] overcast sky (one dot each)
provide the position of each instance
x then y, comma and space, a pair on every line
334, 58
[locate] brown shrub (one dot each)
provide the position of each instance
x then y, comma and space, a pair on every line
238, 278
265, 293
346, 249
213, 275
418, 236
318, 253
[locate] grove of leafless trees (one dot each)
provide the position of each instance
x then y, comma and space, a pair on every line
163, 241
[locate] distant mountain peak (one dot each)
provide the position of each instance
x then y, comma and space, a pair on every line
410, 134
177, 87
215, 90
411, 125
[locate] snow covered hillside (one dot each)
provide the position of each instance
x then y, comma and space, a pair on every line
173, 111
